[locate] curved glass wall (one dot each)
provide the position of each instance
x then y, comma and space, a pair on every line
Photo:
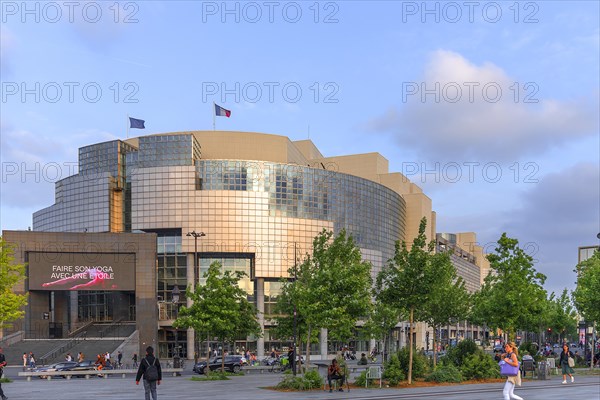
371, 212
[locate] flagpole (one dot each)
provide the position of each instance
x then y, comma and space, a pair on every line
214, 115
128, 126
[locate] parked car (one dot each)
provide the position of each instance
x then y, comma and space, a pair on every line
232, 364
54, 367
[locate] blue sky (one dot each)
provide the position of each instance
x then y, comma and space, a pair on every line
499, 102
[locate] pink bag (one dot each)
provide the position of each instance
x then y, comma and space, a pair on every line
507, 369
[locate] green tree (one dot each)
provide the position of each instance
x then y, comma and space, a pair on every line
448, 301
219, 308
383, 317
563, 315
586, 295
512, 295
11, 304
332, 289
409, 280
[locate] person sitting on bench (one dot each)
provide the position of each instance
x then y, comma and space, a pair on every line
334, 372
363, 359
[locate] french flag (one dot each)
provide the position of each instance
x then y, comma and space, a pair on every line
221, 112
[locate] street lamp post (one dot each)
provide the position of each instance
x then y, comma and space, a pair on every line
293, 360
176, 359
196, 235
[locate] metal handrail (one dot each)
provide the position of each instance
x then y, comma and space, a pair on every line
81, 328
52, 354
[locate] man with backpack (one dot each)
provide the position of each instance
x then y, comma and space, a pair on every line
150, 369
2, 365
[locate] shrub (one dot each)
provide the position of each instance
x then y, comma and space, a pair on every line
313, 379
528, 347
393, 371
456, 354
480, 366
310, 380
214, 376
420, 363
445, 373
361, 379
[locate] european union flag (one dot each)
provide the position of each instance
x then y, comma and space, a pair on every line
136, 123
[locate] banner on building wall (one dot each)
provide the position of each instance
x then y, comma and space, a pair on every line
81, 271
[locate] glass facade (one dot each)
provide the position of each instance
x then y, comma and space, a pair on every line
272, 293
231, 262
258, 216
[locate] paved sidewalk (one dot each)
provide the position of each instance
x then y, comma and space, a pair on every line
249, 388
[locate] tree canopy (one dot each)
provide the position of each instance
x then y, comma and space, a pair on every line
11, 304
409, 280
449, 300
219, 307
332, 289
587, 293
512, 295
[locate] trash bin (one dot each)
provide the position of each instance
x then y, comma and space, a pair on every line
542, 370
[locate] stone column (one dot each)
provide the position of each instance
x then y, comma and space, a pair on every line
260, 306
74, 310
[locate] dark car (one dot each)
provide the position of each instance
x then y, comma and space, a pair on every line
83, 366
232, 364
54, 367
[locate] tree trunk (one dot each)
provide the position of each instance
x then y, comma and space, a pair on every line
384, 348
434, 347
208, 354
308, 347
222, 357
411, 343
593, 345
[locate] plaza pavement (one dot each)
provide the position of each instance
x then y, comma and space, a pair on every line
250, 387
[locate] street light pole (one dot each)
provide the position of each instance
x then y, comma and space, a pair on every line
293, 361
196, 235
176, 359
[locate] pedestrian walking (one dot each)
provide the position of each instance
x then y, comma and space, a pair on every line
31, 360
135, 360
25, 359
150, 370
119, 359
510, 357
567, 362
80, 357
2, 365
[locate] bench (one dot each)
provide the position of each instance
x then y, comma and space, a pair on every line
88, 374
269, 368
260, 368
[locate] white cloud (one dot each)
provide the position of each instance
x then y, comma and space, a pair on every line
494, 123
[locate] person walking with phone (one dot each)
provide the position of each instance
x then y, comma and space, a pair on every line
150, 370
